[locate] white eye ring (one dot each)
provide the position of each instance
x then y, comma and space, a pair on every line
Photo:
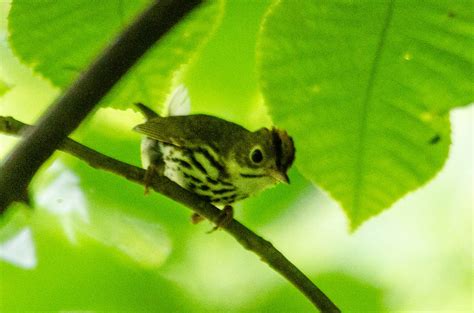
256, 155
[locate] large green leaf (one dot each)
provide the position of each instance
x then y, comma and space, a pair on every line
365, 88
60, 38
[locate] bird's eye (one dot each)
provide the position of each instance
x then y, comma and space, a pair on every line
256, 155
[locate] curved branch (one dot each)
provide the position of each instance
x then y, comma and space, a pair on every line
248, 239
72, 107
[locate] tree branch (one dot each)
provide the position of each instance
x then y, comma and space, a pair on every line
72, 107
248, 239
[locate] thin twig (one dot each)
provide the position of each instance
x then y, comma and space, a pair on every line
72, 107
248, 239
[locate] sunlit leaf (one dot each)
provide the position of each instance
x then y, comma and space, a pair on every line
365, 88
19, 250
60, 38
143, 242
61, 195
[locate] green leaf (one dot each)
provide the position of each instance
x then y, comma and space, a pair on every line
60, 38
365, 88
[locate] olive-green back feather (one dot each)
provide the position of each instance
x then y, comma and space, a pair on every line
194, 130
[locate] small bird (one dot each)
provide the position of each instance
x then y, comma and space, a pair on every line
220, 161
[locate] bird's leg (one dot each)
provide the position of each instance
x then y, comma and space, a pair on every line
150, 173
224, 219
152, 158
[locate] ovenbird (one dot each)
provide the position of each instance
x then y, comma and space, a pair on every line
218, 160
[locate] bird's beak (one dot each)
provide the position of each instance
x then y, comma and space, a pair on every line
279, 176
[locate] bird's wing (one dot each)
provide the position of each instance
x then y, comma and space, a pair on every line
191, 130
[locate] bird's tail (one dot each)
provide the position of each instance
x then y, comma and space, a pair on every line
178, 104
146, 111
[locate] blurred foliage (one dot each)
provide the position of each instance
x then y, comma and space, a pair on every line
223, 80
3, 88
94, 242
366, 88
85, 277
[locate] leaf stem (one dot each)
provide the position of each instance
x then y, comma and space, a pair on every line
247, 238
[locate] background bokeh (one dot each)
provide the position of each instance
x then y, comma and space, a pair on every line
94, 242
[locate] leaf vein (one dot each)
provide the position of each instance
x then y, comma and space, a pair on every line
358, 181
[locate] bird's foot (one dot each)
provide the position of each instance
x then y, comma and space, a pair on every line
150, 173
225, 217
